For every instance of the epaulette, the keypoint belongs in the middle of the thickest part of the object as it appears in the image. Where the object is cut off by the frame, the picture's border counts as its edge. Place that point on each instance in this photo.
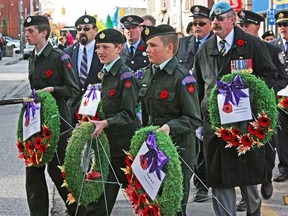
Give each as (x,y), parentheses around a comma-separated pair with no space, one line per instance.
(126,75)
(182,69)
(188,79)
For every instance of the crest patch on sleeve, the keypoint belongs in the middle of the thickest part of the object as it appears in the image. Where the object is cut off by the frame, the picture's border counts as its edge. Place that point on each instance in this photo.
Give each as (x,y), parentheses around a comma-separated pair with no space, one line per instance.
(188,79)
(126,75)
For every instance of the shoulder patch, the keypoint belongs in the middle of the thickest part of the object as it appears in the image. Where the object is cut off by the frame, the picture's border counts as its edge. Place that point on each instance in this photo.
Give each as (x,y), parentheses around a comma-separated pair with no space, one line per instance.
(281,57)
(65,57)
(126,75)
(188,79)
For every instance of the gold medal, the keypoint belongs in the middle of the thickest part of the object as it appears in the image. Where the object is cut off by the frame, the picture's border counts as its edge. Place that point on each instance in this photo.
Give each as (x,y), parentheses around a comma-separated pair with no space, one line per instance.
(100,75)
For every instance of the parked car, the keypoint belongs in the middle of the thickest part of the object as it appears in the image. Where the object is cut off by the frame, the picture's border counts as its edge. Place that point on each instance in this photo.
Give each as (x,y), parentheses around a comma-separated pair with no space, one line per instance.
(12,42)
(27,51)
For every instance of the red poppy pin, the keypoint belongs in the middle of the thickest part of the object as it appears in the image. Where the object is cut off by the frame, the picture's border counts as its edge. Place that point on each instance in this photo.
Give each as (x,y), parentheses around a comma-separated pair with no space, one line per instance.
(140,47)
(112,92)
(48,73)
(69,65)
(164,94)
(240,42)
(191,88)
(128,84)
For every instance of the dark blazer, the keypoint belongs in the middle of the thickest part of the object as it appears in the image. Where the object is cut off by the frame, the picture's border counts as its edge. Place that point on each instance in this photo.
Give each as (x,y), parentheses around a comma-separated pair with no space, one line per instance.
(224,167)
(95,68)
(187,50)
(139,60)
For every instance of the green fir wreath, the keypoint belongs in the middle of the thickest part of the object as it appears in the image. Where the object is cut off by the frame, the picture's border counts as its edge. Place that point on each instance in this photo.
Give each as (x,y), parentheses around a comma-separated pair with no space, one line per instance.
(87,187)
(40,148)
(247,135)
(168,202)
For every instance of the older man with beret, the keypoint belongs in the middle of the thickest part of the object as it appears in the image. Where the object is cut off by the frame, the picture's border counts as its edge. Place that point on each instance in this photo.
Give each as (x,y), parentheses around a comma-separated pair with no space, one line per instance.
(225,170)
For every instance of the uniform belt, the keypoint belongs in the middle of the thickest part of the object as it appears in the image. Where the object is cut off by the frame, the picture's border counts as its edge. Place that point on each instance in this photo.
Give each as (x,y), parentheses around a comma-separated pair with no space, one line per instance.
(158,121)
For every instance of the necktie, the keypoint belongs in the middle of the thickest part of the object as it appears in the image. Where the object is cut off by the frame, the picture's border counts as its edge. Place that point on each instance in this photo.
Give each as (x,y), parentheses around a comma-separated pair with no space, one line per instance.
(286,48)
(131,53)
(83,67)
(197,45)
(156,69)
(223,48)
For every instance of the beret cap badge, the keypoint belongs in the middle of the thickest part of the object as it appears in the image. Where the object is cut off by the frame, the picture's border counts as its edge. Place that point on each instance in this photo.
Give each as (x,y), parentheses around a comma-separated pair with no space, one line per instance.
(196,10)
(281,15)
(242,14)
(147,31)
(217,11)
(86,20)
(102,35)
(130,19)
(29,19)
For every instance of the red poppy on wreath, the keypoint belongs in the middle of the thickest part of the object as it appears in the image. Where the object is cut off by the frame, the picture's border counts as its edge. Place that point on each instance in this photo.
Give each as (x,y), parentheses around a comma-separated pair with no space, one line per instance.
(46,132)
(96,117)
(236,131)
(42,149)
(264,121)
(151,210)
(283,102)
(93,175)
(37,142)
(227,108)
(240,42)
(251,129)
(140,47)
(20,146)
(260,134)
(246,140)
(138,184)
(112,92)
(225,134)
(128,84)
(164,94)
(191,88)
(235,141)
(48,73)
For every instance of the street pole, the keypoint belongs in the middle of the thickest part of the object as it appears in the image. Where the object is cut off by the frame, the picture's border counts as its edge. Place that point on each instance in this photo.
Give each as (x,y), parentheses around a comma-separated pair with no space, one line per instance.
(21,26)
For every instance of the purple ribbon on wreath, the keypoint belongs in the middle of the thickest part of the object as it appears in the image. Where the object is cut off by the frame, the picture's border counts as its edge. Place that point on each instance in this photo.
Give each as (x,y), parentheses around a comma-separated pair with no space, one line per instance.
(232,90)
(31,105)
(155,157)
(92,91)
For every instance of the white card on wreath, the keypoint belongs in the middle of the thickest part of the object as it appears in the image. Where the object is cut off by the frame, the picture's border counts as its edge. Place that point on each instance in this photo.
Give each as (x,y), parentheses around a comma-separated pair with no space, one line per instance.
(283,92)
(234,113)
(89,105)
(33,125)
(149,181)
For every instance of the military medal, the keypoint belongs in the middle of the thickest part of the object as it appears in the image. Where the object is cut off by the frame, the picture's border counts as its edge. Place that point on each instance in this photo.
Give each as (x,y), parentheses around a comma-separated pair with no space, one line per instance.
(241,65)
(100,75)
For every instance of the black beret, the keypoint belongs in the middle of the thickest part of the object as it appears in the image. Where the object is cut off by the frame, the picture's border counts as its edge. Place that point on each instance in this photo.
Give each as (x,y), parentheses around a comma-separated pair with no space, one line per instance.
(131,21)
(36,20)
(246,16)
(85,19)
(281,16)
(268,33)
(151,31)
(199,11)
(110,36)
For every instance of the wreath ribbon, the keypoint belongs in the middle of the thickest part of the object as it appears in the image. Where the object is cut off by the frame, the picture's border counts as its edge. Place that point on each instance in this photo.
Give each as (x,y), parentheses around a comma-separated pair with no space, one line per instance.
(232,90)
(31,106)
(92,91)
(154,156)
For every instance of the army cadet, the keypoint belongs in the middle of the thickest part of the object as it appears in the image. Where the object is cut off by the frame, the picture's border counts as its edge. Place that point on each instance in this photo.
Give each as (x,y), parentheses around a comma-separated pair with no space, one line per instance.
(84,59)
(250,23)
(188,47)
(119,92)
(169,95)
(134,52)
(224,169)
(282,147)
(61,83)
(268,36)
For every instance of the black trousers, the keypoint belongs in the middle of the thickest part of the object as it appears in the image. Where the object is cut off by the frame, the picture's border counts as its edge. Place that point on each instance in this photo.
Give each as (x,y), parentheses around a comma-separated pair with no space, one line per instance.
(36,186)
(111,190)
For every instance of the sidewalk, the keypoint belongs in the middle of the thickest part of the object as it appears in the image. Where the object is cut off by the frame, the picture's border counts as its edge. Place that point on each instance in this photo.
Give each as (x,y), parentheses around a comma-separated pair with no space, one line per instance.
(11,60)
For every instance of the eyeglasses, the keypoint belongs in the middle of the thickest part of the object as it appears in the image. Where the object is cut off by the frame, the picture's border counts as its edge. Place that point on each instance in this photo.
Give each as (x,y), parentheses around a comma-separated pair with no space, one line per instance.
(86,29)
(201,24)
(219,18)
(285,24)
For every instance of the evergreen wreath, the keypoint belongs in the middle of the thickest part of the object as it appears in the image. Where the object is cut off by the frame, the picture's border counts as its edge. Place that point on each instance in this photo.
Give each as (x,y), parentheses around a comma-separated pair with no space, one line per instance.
(247,135)
(168,201)
(85,186)
(40,148)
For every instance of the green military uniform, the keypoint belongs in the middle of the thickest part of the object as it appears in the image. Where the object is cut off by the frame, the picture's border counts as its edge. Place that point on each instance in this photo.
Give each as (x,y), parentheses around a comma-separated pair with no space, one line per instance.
(51,68)
(170,97)
(119,93)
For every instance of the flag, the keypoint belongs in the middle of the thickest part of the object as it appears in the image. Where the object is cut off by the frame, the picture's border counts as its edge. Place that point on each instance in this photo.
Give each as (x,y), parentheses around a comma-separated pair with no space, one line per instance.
(108,23)
(100,25)
(115,17)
